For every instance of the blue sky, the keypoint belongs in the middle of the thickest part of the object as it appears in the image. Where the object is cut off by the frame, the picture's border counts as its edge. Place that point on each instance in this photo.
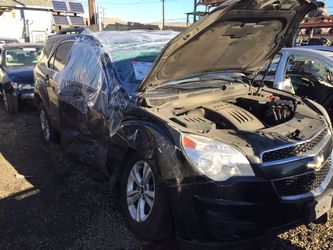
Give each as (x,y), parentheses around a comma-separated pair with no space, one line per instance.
(148,11)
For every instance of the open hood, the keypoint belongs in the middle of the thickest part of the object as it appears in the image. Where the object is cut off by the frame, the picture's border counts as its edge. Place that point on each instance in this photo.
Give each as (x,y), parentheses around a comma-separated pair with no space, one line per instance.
(239,36)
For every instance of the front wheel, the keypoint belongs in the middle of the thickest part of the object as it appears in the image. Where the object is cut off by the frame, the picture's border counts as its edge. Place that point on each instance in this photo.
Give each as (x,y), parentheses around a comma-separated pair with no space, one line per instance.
(144,201)
(10,102)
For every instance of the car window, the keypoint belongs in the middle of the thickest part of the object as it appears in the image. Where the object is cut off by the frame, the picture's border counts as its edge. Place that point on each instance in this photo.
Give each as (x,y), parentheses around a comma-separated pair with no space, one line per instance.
(83,80)
(275,62)
(21,56)
(269,79)
(59,58)
(315,70)
(84,70)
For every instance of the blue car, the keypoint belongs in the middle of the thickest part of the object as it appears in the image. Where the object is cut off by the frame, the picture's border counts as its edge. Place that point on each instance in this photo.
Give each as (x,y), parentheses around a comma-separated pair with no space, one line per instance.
(16,73)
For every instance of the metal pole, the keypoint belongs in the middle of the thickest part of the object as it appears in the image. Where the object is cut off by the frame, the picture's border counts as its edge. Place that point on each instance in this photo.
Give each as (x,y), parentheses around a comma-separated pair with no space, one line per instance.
(195,11)
(103,16)
(163,15)
(92,19)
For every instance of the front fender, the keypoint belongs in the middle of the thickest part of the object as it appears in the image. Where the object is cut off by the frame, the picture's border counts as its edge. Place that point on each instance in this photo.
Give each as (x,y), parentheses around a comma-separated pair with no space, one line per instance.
(6,83)
(160,145)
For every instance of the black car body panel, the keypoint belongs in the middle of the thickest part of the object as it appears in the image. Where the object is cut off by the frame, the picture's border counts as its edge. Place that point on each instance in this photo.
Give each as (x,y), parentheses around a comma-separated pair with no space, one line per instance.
(286,141)
(24,74)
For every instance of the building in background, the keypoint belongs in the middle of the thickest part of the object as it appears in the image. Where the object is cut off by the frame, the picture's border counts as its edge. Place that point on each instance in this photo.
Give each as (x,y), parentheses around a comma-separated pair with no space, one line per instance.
(25,20)
(35,20)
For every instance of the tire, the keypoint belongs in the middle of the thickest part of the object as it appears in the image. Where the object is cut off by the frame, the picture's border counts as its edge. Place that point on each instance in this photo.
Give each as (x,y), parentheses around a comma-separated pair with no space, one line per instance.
(50,135)
(155,222)
(10,102)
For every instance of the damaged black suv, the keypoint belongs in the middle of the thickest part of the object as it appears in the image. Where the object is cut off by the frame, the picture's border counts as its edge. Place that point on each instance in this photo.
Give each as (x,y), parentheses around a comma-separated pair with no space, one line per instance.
(197,150)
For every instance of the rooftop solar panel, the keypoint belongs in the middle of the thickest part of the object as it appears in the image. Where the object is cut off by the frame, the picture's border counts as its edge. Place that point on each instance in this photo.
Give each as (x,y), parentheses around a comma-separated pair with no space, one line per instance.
(76,7)
(77,21)
(60,20)
(59,6)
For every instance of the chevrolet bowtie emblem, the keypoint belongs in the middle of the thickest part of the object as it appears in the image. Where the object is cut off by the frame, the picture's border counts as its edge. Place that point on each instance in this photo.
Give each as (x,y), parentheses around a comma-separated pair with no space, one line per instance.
(317,163)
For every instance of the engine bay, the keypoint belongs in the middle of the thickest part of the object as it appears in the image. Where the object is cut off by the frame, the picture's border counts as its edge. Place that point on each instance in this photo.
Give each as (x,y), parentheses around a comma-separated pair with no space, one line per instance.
(248,112)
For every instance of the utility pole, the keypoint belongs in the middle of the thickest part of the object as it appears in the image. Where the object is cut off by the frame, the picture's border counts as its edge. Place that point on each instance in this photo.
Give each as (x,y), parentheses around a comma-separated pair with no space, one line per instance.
(195,11)
(163,16)
(92,18)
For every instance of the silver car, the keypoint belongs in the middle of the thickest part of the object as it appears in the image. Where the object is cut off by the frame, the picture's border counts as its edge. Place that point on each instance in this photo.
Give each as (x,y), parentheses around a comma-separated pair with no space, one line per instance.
(305,72)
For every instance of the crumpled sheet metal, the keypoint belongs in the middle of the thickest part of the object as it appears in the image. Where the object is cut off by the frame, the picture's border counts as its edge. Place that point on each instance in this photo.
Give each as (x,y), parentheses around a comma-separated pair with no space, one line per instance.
(99,73)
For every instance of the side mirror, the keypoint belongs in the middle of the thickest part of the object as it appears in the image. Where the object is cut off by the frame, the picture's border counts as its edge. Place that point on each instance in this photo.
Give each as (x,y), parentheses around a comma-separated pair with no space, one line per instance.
(287,85)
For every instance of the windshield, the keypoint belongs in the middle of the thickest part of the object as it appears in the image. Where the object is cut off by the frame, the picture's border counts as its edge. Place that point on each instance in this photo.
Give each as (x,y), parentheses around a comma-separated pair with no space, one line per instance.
(133,65)
(20,57)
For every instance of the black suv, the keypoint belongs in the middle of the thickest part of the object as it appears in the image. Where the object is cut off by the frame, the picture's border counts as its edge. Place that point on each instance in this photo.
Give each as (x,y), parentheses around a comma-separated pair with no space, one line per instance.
(197,149)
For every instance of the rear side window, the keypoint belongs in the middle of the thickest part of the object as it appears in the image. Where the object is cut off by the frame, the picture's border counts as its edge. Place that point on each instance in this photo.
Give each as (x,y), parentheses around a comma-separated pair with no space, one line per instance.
(59,58)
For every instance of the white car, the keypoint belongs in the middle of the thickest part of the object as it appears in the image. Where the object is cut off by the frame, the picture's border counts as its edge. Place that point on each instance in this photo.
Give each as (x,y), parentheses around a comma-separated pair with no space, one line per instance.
(304,72)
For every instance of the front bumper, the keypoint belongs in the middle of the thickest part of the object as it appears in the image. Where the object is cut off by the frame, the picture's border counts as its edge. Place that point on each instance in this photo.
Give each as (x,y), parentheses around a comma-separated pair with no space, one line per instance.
(25,94)
(249,211)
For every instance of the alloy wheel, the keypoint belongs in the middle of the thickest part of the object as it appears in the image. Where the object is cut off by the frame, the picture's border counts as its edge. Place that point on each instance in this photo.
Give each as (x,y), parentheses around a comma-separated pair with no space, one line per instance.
(140,191)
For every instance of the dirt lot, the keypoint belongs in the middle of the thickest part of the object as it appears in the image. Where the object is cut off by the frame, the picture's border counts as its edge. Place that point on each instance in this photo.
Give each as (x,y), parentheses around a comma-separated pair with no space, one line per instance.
(49,201)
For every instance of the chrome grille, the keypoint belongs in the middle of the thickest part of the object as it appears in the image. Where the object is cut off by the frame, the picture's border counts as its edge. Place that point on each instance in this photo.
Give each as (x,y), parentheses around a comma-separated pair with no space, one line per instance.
(304,183)
(294,150)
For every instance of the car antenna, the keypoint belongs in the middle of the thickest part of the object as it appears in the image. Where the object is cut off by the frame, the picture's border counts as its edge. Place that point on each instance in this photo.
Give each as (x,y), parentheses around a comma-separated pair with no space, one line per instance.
(264,76)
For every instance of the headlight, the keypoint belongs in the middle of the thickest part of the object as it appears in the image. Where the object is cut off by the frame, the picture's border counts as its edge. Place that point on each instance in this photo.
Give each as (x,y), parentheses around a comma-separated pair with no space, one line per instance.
(14,85)
(216,160)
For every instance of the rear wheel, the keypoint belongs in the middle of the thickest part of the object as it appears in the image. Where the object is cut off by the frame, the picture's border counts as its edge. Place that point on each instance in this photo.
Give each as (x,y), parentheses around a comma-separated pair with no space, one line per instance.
(49,133)
(10,102)
(144,201)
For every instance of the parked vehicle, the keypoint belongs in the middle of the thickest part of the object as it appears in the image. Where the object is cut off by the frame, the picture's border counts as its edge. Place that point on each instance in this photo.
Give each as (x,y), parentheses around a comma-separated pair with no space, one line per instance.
(16,73)
(305,72)
(196,149)
(5,40)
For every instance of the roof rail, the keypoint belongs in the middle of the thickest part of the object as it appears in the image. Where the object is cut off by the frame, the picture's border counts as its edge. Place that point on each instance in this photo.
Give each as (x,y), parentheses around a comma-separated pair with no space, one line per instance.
(70,31)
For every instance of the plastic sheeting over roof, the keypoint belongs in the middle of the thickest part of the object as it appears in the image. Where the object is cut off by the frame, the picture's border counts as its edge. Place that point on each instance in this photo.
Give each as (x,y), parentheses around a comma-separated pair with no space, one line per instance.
(104,70)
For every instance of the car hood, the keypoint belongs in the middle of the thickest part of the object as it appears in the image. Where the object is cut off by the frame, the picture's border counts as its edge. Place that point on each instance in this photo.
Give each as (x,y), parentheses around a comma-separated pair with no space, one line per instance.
(239,36)
(21,74)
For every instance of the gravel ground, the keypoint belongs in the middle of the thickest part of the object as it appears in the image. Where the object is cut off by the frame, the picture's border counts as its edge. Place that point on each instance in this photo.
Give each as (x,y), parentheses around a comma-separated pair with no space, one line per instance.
(49,201)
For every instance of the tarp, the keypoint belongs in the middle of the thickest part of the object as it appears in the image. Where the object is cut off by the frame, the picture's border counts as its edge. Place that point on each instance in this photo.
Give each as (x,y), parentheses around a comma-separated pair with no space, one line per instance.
(104,70)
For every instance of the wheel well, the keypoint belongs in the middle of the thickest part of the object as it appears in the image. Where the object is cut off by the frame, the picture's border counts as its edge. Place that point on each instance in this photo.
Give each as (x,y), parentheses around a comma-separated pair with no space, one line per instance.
(124,159)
